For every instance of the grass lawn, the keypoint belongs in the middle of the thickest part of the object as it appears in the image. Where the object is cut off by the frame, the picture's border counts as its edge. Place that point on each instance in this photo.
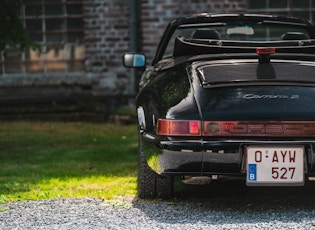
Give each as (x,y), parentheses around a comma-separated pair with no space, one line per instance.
(46,160)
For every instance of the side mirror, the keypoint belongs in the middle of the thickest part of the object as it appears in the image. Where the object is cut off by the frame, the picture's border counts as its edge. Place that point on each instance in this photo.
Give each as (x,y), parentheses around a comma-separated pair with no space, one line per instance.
(132,60)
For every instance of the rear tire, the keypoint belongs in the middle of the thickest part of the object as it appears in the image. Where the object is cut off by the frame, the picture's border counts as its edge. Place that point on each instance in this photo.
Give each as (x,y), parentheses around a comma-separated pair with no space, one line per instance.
(150,184)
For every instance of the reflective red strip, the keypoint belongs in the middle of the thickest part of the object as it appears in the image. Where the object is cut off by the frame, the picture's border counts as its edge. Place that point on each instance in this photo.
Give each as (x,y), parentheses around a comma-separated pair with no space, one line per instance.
(261,129)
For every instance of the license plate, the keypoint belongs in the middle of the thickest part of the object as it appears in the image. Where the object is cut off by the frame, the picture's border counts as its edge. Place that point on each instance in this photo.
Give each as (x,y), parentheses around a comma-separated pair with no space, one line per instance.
(275,165)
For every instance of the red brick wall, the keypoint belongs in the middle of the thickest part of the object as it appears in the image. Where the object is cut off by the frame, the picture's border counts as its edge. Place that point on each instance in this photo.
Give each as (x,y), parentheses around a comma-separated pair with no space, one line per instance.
(107,32)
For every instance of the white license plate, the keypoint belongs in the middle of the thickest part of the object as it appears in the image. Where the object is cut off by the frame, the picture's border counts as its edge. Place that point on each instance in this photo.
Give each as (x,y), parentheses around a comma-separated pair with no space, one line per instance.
(275,165)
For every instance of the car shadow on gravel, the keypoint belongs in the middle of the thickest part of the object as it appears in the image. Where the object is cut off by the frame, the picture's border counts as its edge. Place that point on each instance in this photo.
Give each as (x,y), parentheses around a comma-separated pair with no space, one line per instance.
(236,194)
(228,202)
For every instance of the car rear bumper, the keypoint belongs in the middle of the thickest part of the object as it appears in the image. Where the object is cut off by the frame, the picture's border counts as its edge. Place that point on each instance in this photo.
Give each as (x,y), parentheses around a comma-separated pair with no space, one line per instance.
(216,157)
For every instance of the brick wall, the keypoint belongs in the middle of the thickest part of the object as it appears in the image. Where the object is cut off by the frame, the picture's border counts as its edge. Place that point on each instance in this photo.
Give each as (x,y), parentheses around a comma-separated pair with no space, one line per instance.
(106,39)
(107,33)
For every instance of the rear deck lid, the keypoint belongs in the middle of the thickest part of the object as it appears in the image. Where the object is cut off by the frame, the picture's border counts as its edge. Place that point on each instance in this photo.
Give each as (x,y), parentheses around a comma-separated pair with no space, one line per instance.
(237,90)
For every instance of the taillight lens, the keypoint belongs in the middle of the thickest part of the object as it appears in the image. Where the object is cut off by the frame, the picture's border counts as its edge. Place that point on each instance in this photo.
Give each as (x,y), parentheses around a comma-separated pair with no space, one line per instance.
(178,127)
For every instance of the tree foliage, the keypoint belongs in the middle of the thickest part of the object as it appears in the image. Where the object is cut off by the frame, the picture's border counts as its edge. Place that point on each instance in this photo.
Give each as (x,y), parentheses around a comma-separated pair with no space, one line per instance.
(12,30)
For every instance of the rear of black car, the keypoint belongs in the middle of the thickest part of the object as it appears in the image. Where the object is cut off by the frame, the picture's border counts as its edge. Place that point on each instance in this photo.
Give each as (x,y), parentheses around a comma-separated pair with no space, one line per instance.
(261,115)
(238,104)
(244,106)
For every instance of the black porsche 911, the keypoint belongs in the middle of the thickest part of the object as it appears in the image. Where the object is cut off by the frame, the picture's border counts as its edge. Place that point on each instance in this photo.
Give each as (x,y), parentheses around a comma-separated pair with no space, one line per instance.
(227,95)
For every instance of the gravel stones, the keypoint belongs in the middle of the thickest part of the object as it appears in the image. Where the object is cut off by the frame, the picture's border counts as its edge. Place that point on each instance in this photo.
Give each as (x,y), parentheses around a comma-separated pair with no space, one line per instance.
(97,214)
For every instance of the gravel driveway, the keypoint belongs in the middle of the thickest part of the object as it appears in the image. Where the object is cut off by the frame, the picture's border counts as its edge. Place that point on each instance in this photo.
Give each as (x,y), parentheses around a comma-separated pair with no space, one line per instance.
(216,207)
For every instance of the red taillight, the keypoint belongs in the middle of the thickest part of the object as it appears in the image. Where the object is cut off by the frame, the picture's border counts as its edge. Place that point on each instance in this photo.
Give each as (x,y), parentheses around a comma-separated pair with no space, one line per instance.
(178,127)
(236,128)
(265,50)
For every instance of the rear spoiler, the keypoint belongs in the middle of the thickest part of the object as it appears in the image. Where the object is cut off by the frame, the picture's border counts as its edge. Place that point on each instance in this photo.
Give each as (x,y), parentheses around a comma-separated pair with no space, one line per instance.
(192,47)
